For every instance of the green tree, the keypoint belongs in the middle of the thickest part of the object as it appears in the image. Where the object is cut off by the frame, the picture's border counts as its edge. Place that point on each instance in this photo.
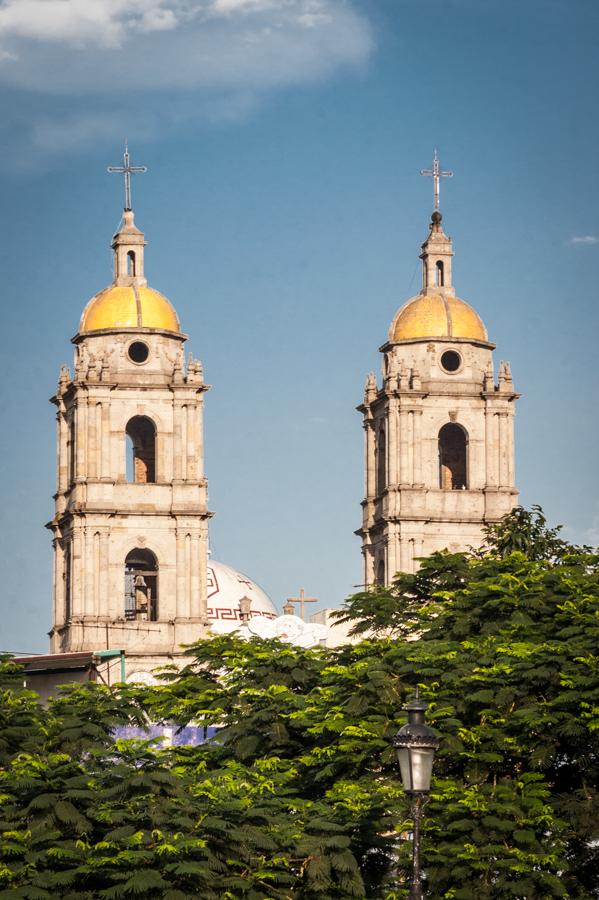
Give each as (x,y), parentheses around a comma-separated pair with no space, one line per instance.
(298,796)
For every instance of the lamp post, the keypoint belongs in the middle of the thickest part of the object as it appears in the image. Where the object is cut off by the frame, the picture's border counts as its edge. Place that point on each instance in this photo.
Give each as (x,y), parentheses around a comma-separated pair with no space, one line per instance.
(245,608)
(416,744)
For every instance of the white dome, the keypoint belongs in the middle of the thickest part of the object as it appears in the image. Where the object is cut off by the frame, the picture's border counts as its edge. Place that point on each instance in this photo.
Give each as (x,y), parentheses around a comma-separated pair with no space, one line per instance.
(226,587)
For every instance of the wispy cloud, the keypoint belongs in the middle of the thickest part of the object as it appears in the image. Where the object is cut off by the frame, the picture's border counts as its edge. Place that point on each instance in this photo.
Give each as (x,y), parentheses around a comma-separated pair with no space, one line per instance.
(91,46)
(587,239)
(83,68)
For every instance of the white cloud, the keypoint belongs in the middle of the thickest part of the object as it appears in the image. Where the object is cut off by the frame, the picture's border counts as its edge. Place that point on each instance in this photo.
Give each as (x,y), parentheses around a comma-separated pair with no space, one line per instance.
(588,239)
(80,73)
(85,46)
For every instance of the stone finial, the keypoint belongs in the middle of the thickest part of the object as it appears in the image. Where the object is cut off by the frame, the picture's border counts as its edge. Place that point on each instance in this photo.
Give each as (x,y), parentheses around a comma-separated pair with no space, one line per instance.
(501,376)
(93,369)
(416,380)
(404,377)
(178,371)
(488,378)
(370,388)
(81,362)
(104,369)
(63,379)
(195,373)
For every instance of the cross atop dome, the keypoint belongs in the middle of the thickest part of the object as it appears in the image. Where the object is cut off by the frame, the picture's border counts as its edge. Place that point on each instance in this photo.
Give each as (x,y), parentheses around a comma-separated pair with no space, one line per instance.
(127,170)
(437,174)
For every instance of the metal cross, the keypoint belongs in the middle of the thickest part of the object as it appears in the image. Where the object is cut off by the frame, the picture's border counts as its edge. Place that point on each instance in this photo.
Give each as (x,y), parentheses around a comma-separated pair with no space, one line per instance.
(127,170)
(301,600)
(437,175)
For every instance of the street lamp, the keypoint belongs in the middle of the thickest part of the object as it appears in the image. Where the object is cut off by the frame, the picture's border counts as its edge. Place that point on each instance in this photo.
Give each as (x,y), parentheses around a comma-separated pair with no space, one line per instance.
(416,744)
(245,607)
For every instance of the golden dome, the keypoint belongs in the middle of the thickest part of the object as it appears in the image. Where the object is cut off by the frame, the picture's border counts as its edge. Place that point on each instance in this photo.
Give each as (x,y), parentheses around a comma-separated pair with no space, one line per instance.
(436,316)
(128,306)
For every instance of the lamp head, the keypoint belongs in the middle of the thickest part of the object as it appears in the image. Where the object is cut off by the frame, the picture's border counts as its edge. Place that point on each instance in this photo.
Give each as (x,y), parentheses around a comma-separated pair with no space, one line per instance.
(416,744)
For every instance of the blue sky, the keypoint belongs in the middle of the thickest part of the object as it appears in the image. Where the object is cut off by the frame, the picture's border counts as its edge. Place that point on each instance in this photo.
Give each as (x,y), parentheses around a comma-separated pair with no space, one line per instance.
(284,213)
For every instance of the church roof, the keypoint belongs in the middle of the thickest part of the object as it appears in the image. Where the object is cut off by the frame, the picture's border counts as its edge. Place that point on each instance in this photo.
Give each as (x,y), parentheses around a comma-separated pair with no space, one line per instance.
(433,315)
(129,306)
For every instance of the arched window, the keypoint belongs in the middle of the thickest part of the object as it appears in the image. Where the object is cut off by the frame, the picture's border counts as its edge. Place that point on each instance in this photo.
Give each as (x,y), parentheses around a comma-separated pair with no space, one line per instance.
(131,263)
(440,274)
(381,461)
(380,572)
(141,450)
(453,458)
(141,586)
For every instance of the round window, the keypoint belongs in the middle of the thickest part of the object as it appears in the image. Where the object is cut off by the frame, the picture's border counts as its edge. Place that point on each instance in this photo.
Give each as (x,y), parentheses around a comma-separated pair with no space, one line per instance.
(451,361)
(138,352)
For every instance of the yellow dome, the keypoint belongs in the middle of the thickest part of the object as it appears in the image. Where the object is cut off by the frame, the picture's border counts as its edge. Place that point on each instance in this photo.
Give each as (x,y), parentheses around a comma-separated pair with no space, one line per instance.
(435,316)
(128,306)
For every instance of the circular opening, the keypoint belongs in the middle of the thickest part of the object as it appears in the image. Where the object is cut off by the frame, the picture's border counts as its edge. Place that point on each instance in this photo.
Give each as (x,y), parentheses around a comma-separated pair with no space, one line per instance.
(138,352)
(451,361)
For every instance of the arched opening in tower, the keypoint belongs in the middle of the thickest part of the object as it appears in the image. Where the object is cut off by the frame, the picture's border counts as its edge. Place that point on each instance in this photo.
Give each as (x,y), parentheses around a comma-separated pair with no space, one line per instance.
(141,450)
(440,274)
(141,586)
(453,458)
(131,268)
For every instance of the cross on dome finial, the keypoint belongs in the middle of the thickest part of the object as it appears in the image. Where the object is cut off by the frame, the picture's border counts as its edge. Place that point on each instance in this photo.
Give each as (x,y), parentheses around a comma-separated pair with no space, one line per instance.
(436,174)
(127,170)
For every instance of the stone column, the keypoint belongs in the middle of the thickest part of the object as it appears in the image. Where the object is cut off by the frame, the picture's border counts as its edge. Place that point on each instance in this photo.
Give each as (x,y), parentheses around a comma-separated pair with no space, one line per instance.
(192,442)
(370,460)
(418,550)
(392,546)
(58,575)
(404,461)
(503,449)
(106,470)
(177,461)
(92,441)
(89,570)
(195,599)
(62,473)
(203,570)
(77,574)
(490,446)
(404,552)
(184,418)
(410,447)
(392,441)
(417,447)
(180,577)
(510,450)
(80,435)
(200,438)
(102,599)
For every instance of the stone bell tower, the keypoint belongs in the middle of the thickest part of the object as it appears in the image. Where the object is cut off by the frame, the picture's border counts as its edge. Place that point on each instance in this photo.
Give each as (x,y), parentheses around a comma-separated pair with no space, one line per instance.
(439,443)
(131,521)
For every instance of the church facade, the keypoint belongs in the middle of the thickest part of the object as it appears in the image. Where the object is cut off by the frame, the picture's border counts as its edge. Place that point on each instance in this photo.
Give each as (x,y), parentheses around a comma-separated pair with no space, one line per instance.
(130,527)
(130,524)
(439,432)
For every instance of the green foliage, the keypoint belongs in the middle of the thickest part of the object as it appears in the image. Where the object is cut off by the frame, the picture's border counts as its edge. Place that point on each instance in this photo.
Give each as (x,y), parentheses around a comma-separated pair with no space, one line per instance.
(299,795)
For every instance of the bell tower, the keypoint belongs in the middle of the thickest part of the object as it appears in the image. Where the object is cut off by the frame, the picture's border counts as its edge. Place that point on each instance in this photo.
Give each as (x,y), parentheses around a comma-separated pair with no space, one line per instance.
(439,441)
(130,529)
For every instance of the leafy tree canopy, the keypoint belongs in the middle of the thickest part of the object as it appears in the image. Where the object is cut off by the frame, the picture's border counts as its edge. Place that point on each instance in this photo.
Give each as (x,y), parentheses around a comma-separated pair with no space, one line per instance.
(299,794)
